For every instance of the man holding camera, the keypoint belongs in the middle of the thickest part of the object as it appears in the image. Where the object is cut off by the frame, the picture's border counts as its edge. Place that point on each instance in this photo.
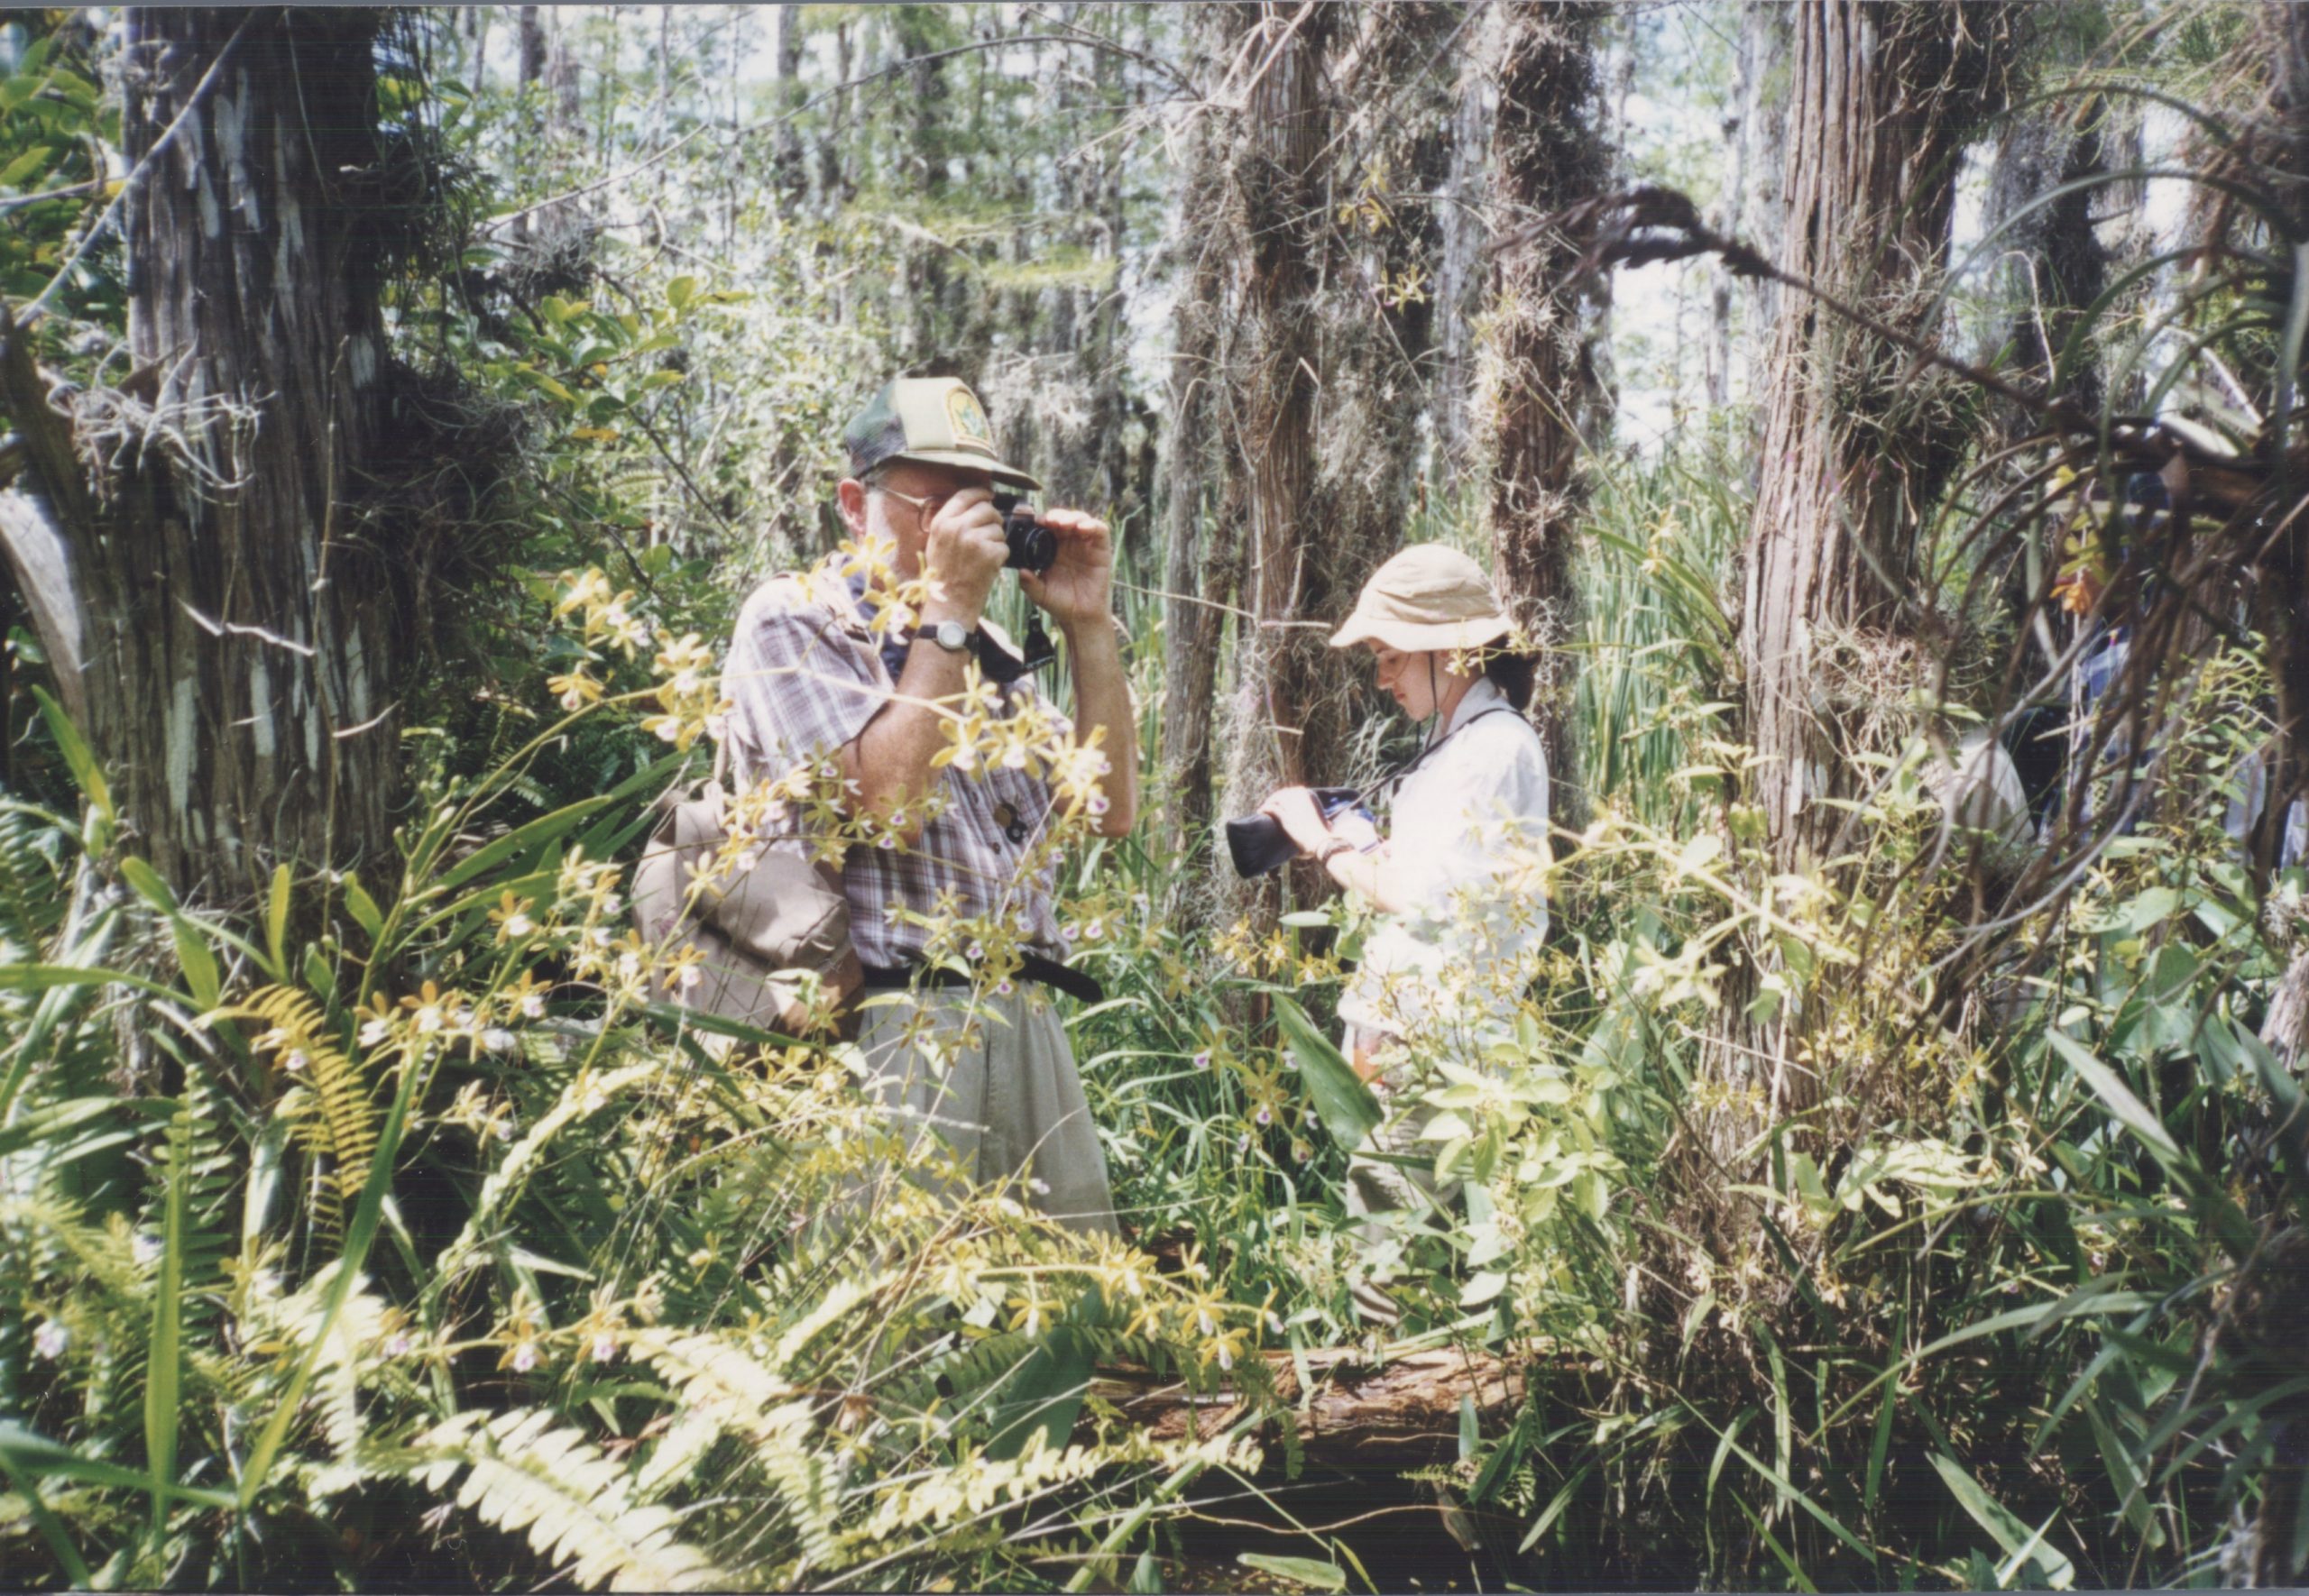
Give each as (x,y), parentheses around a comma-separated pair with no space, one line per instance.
(986,1063)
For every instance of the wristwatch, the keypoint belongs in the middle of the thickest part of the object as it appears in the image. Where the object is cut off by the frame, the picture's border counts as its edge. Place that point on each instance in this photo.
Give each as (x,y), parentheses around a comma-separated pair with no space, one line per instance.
(1332,850)
(951,635)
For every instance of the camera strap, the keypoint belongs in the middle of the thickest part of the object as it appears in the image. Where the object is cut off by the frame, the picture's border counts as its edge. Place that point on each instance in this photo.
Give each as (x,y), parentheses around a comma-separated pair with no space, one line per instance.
(1396,781)
(1040,651)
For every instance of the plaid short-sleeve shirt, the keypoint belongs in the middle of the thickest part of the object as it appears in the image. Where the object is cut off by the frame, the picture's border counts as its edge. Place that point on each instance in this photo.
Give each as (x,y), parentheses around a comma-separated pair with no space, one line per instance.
(804,676)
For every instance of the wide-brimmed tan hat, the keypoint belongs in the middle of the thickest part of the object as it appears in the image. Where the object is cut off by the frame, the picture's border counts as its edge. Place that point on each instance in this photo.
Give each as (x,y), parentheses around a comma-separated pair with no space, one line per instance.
(1428,597)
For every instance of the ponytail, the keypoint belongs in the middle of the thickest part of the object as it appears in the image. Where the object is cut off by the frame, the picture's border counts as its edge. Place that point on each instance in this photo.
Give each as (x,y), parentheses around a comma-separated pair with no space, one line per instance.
(1512,675)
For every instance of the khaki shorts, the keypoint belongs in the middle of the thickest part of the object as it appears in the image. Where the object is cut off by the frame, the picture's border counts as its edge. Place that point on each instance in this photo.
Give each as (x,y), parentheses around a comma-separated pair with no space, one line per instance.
(994,1077)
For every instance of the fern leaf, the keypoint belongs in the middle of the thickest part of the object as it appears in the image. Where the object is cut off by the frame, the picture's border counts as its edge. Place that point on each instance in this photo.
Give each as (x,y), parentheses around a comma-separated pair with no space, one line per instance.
(722,1382)
(576,1506)
(334,1113)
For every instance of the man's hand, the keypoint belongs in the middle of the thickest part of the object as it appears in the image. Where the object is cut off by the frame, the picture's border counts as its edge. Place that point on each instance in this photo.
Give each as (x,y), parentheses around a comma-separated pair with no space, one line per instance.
(963,552)
(1079,586)
(1303,821)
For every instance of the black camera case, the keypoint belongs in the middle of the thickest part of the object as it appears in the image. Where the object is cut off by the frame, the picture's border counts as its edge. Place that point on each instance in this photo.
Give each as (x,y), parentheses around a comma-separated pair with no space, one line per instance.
(1259,844)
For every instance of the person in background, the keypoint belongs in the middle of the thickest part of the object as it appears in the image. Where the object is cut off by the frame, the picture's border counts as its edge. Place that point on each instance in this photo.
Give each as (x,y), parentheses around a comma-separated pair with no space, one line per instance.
(1457,881)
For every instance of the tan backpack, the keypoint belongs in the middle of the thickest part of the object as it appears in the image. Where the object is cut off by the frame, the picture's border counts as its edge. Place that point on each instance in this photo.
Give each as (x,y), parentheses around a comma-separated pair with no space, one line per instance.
(757,928)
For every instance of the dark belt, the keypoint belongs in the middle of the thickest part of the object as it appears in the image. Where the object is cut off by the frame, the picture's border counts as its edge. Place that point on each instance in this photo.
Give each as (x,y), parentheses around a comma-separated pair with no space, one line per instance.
(1049,972)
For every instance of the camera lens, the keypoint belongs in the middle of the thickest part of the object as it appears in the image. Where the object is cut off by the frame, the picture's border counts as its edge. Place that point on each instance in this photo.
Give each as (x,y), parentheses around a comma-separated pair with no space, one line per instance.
(1033,545)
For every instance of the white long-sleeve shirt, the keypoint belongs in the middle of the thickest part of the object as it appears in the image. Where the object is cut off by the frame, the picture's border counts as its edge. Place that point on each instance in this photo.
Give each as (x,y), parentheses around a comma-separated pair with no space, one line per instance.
(1466,856)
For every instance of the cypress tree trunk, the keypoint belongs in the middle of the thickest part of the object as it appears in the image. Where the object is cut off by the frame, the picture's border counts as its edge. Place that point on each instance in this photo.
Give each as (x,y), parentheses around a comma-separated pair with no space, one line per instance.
(1267,416)
(1297,392)
(1885,98)
(1540,387)
(1754,131)
(233,617)
(1375,331)
(1853,448)
(1460,274)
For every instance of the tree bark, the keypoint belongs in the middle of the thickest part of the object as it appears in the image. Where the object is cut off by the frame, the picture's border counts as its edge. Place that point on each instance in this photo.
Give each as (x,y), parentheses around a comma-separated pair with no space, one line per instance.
(1540,389)
(2283,601)
(1266,413)
(1199,539)
(1401,1414)
(1375,331)
(1460,275)
(1885,98)
(793,176)
(1754,131)
(233,607)
(1296,396)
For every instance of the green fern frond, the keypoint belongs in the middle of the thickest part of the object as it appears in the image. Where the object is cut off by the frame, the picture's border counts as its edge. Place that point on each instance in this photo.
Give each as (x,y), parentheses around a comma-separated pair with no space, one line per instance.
(722,1381)
(677,1453)
(333,1115)
(844,1298)
(576,1506)
(203,1138)
(291,1321)
(718,1379)
(33,885)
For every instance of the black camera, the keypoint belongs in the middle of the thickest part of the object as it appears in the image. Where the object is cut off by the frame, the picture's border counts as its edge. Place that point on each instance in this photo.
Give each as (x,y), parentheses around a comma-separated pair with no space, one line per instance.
(1034,547)
(1259,844)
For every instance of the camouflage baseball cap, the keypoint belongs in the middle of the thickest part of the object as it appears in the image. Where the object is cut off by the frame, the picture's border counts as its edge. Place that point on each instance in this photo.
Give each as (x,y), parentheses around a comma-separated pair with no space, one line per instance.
(936,420)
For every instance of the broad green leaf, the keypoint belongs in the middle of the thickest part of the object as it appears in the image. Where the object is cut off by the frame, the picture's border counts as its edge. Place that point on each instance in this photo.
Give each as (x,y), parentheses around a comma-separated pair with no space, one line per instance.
(86,774)
(367,1213)
(2124,1474)
(1348,1109)
(276,923)
(1042,1395)
(518,840)
(364,909)
(34,160)
(193,954)
(35,1456)
(1554,1509)
(2142,910)
(2211,1205)
(68,1555)
(50,1120)
(39,977)
(1486,1285)
(163,1367)
(1305,1571)
(2130,1110)
(2010,1532)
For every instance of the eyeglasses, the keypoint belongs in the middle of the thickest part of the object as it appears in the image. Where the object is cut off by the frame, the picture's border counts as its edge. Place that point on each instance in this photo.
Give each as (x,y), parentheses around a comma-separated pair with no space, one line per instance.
(926,507)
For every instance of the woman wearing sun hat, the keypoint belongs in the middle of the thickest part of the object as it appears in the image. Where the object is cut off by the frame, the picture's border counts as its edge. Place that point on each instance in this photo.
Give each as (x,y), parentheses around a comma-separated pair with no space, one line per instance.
(1457,881)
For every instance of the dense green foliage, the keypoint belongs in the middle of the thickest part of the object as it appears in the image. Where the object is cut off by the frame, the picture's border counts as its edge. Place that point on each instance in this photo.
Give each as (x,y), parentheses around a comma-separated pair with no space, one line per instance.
(396,1229)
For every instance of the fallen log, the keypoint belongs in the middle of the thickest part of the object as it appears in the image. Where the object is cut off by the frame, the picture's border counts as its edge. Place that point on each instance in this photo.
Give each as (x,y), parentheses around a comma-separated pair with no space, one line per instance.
(1349,1412)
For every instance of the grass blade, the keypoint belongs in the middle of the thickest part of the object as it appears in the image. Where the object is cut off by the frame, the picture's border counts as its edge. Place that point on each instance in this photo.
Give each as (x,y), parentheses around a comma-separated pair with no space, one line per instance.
(164,1370)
